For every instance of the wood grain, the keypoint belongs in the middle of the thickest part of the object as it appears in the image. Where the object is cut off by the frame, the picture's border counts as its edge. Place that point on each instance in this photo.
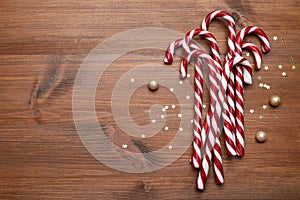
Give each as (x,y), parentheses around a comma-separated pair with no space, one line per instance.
(42,45)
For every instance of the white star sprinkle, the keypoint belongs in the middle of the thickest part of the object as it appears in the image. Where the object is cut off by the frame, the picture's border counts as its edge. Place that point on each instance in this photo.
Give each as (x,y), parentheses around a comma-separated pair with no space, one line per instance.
(192,121)
(284,74)
(204,106)
(180,129)
(153,121)
(261,117)
(187,97)
(166,128)
(251,110)
(163,109)
(275,38)
(268,87)
(173,106)
(170,147)
(162,116)
(143,136)
(180,82)
(172,89)
(188,75)
(132,80)
(280,66)
(264,107)
(124,146)
(293,67)
(266,68)
(261,85)
(166,107)
(179,115)
(247,54)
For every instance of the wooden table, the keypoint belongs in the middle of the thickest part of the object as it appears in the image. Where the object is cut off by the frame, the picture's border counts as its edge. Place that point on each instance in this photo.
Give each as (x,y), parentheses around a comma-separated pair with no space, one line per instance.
(42,46)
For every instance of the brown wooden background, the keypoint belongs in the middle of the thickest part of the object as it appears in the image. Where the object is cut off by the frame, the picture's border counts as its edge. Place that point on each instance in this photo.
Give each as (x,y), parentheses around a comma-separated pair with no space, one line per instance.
(43,43)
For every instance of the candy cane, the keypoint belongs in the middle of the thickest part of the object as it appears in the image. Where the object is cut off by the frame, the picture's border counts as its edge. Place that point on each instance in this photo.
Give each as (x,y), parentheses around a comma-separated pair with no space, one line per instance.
(240,144)
(213,120)
(229,108)
(229,65)
(216,57)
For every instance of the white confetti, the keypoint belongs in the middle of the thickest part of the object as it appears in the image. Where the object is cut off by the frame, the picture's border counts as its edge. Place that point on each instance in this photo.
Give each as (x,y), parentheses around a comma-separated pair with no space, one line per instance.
(163,109)
(179,115)
(251,110)
(275,37)
(284,74)
(187,97)
(188,75)
(293,67)
(172,89)
(143,136)
(264,107)
(124,146)
(204,106)
(166,107)
(261,85)
(173,106)
(153,121)
(180,82)
(266,68)
(132,80)
(280,66)
(180,129)
(166,128)
(162,116)
(170,147)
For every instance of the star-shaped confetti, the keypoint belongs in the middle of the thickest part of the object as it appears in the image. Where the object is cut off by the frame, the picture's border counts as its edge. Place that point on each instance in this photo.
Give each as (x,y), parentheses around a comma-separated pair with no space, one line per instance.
(179,115)
(172,89)
(284,74)
(154,120)
(166,107)
(188,75)
(261,85)
(247,54)
(143,136)
(173,106)
(280,66)
(275,38)
(261,117)
(180,82)
(170,147)
(180,129)
(293,67)
(163,109)
(187,97)
(268,87)
(204,106)
(264,107)
(166,128)
(251,110)
(266,68)
(124,146)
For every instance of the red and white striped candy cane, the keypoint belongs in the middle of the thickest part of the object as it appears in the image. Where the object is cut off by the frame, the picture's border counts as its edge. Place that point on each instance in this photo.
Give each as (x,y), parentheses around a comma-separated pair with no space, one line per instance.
(213,120)
(229,107)
(216,56)
(229,65)
(228,111)
(239,115)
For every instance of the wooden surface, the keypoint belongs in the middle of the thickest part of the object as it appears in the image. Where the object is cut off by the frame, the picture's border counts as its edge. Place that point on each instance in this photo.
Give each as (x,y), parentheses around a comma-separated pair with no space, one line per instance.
(42,45)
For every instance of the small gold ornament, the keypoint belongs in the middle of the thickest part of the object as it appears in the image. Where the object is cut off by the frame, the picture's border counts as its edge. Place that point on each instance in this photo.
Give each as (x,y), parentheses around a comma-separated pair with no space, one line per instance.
(275,100)
(153,85)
